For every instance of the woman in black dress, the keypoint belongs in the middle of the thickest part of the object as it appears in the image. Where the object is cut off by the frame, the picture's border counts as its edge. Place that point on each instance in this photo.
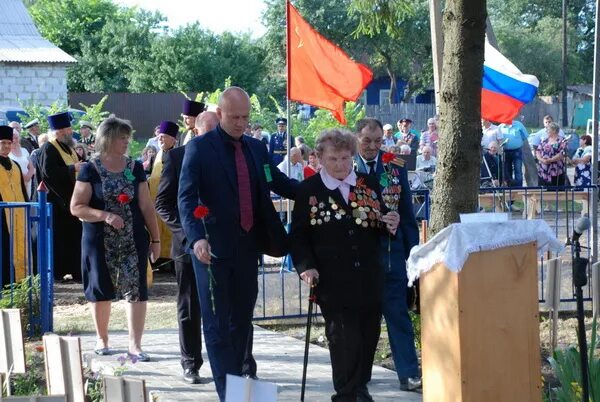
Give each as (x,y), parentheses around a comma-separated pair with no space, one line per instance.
(336,225)
(112,199)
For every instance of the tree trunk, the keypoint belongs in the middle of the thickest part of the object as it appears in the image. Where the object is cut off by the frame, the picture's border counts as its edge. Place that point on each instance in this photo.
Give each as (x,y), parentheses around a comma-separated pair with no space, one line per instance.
(456,185)
(393,85)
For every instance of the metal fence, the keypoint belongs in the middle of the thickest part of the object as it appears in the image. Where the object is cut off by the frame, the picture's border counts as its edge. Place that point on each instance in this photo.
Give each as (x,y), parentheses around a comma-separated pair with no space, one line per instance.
(34,254)
(283,296)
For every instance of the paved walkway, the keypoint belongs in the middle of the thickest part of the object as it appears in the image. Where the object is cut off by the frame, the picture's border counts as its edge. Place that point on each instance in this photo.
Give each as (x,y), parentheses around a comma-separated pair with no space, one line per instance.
(279,359)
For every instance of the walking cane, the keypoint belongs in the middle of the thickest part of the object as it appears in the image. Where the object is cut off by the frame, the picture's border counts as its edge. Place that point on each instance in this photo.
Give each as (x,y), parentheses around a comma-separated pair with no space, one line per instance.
(311,299)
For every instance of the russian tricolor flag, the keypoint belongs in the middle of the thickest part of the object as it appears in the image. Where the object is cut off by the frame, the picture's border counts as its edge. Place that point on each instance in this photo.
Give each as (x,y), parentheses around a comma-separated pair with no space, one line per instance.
(505,88)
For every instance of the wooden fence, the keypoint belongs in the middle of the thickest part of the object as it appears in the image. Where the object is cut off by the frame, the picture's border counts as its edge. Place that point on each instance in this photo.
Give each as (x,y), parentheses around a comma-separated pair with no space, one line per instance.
(417,112)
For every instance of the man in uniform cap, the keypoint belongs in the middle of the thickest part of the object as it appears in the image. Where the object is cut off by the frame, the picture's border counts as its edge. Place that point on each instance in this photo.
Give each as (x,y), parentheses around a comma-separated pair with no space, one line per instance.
(12,189)
(167,138)
(87,136)
(57,167)
(278,143)
(30,142)
(191,110)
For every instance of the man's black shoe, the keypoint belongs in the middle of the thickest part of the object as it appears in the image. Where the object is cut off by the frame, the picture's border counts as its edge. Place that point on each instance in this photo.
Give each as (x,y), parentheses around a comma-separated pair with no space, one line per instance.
(362,394)
(191,376)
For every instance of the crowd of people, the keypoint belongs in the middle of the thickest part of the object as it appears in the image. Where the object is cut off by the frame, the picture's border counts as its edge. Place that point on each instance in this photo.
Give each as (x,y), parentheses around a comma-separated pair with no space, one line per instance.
(201,196)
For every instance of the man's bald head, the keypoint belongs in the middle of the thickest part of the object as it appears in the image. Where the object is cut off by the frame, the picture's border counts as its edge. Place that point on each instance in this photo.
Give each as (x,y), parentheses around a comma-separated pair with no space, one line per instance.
(233,111)
(205,122)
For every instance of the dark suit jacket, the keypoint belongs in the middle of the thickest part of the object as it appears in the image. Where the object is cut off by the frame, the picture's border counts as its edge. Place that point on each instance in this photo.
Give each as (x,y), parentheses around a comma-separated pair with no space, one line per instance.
(29,144)
(207,179)
(345,253)
(407,235)
(166,201)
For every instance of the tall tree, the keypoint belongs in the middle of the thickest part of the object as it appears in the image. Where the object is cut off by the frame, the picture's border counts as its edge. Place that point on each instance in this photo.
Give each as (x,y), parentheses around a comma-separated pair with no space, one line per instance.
(457,176)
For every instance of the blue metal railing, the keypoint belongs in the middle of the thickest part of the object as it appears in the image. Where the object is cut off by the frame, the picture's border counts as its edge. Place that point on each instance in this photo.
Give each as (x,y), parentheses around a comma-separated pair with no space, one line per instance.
(38,259)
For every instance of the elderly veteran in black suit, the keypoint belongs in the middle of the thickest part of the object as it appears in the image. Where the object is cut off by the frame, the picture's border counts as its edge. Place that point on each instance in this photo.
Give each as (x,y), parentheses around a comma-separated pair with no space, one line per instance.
(336,226)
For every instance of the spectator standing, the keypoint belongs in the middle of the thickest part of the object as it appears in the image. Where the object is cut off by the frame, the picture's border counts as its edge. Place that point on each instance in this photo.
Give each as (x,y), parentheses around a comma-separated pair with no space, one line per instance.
(313,165)
(304,149)
(491,167)
(513,134)
(191,109)
(30,141)
(258,134)
(81,151)
(388,136)
(111,197)
(490,133)
(551,158)
(430,137)
(87,136)
(583,162)
(296,171)
(58,164)
(278,142)
(407,136)
(21,156)
(148,157)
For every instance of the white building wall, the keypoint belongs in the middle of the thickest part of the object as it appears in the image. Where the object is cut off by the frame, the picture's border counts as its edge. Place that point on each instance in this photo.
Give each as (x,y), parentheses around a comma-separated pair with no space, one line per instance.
(43,83)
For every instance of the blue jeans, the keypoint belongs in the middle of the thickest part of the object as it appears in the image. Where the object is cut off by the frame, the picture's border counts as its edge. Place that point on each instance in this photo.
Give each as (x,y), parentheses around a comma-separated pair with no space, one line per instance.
(513,163)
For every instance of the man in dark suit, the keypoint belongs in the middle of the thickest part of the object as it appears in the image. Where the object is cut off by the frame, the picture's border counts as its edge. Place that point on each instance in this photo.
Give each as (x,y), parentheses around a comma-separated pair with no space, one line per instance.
(231,175)
(396,195)
(30,141)
(188,306)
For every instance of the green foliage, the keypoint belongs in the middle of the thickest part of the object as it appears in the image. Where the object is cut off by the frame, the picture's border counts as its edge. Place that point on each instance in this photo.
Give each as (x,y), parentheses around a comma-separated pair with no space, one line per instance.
(416,322)
(136,147)
(378,16)
(33,381)
(36,110)
(20,295)
(323,120)
(94,113)
(567,368)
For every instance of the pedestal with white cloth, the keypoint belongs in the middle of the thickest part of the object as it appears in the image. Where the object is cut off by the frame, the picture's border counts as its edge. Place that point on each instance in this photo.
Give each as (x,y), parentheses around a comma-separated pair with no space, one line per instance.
(479,311)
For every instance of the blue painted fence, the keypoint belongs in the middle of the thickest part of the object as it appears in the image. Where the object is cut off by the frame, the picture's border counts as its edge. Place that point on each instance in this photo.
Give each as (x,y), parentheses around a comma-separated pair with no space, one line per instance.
(38,237)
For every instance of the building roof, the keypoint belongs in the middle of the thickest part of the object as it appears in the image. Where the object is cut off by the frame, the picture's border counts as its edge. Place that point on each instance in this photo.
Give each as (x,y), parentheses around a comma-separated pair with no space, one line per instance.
(21,42)
(585,89)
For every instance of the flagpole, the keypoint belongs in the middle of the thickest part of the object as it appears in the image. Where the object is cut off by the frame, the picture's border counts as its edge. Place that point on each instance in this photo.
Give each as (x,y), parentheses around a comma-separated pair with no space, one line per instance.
(288,103)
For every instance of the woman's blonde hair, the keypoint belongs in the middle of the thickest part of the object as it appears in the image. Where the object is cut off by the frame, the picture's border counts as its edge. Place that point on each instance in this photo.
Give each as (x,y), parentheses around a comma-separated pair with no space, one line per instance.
(338,139)
(108,131)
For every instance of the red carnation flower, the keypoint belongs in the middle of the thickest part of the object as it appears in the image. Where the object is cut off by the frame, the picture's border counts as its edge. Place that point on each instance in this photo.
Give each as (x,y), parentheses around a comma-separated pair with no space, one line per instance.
(387,157)
(200,212)
(123,198)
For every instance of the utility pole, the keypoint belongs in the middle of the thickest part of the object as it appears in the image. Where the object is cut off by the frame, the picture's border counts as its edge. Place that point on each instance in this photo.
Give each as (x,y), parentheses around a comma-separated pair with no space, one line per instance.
(437,46)
(565,111)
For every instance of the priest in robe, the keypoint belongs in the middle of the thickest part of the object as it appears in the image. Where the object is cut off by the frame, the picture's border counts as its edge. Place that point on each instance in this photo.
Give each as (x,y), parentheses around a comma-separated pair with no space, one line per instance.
(167,138)
(57,167)
(12,189)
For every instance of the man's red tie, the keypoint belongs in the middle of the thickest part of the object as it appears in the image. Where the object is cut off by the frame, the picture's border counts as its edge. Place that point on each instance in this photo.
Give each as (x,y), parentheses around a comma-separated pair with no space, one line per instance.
(243,179)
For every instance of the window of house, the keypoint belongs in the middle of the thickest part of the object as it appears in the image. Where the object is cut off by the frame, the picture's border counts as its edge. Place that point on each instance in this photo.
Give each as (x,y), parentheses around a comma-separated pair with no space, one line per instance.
(384,97)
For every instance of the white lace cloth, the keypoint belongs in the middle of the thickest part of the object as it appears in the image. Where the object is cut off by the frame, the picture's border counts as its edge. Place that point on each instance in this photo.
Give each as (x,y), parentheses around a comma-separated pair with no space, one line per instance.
(452,245)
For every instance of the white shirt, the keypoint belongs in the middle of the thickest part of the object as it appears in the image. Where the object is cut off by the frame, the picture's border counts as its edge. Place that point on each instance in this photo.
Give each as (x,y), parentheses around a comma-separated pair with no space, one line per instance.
(423,164)
(343,185)
(297,169)
(490,134)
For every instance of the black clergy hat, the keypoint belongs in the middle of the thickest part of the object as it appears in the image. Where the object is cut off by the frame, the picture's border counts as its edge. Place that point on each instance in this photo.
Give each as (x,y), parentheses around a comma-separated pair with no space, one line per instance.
(168,127)
(59,120)
(6,133)
(192,108)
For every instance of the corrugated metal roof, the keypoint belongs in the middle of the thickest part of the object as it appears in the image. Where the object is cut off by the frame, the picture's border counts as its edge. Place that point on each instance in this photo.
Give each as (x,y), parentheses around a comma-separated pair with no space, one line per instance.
(20,41)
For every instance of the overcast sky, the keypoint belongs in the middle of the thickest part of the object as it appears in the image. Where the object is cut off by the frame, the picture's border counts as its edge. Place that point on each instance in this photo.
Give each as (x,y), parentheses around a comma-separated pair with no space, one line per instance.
(216,15)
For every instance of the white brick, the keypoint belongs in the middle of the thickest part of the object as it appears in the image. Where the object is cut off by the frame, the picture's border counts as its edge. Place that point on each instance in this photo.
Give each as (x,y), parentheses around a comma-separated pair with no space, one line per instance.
(2,72)
(17,88)
(11,97)
(43,73)
(28,72)
(13,73)
(9,81)
(59,72)
(32,88)
(24,81)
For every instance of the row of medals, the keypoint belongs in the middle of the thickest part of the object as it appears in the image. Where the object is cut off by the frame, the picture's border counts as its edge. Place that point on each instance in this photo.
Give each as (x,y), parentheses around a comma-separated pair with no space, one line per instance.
(361,214)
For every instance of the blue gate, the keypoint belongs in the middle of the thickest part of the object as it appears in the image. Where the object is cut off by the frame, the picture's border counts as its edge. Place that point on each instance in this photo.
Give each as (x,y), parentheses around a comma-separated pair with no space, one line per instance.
(36,218)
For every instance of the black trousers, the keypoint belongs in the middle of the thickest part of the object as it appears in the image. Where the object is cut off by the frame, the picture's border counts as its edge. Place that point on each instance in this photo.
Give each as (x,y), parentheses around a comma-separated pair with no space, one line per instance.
(188,316)
(353,335)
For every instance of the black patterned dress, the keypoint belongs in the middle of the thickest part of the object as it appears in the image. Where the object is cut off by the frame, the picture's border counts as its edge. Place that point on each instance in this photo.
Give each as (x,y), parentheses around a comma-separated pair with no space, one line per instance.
(114,261)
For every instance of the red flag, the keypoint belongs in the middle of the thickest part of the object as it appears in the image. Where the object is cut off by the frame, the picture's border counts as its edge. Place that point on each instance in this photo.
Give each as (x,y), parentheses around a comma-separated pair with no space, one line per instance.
(320,73)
